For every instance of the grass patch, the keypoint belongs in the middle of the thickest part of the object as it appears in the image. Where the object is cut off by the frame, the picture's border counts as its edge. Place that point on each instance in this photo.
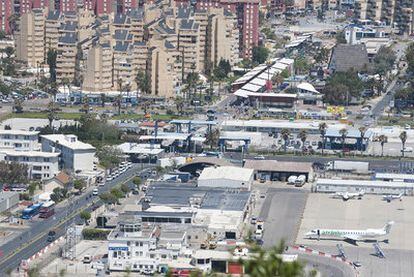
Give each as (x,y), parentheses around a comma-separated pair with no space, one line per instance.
(395,121)
(164,117)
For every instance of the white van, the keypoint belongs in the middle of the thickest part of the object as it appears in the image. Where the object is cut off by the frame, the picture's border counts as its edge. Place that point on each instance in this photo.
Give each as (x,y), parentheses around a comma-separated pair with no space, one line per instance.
(300,181)
(291,180)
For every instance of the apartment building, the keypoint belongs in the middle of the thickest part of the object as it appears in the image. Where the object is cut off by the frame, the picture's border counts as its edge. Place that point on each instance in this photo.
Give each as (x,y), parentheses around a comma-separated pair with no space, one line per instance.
(41,165)
(6,10)
(137,24)
(66,58)
(390,12)
(74,154)
(123,70)
(65,6)
(99,7)
(125,6)
(52,25)
(189,45)
(98,75)
(247,13)
(30,38)
(19,140)
(143,247)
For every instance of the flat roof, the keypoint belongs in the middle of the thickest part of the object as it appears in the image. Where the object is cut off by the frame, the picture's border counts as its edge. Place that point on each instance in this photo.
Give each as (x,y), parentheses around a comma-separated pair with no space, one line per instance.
(394,176)
(226,172)
(15,153)
(252,87)
(63,140)
(131,148)
(279,124)
(363,183)
(195,122)
(279,166)
(19,132)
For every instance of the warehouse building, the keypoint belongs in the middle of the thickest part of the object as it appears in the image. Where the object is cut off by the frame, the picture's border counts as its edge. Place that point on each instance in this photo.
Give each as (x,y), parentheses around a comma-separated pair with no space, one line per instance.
(393,177)
(368,186)
(271,170)
(226,177)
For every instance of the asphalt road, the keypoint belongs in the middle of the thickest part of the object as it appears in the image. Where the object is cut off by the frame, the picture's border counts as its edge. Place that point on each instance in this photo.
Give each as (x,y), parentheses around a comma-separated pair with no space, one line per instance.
(282,212)
(35,238)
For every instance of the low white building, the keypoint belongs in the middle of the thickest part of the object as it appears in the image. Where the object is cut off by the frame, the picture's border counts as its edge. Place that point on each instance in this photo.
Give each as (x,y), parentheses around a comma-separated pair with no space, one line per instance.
(226,177)
(41,165)
(368,186)
(74,154)
(144,248)
(19,140)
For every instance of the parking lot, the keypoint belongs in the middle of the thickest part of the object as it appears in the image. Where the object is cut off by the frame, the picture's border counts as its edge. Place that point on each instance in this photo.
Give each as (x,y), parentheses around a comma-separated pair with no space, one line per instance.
(322,211)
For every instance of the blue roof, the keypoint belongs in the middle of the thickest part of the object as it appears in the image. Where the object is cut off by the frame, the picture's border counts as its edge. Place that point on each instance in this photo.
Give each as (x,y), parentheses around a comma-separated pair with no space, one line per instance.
(352,133)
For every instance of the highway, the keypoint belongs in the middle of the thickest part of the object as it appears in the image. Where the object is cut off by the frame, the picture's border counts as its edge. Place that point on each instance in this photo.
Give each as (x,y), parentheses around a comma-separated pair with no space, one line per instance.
(35,238)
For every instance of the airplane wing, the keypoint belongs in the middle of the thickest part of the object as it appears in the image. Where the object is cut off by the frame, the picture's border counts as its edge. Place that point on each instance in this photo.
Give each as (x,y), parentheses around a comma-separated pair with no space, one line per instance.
(352,237)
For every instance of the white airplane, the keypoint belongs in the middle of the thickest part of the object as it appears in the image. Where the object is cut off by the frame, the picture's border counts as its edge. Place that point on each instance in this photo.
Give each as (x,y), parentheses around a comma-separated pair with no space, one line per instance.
(390,197)
(354,235)
(349,195)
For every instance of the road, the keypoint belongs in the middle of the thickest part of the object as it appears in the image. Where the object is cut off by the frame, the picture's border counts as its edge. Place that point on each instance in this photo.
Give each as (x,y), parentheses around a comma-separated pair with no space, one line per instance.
(35,238)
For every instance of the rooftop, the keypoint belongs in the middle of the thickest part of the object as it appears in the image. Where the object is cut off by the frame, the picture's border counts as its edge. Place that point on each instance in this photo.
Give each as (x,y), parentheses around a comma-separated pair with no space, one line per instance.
(69,141)
(227,172)
(278,166)
(18,132)
(15,153)
(363,183)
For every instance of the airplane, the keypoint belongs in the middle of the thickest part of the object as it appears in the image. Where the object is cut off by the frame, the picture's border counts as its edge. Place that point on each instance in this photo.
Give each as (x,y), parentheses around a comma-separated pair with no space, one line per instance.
(353,235)
(390,197)
(349,195)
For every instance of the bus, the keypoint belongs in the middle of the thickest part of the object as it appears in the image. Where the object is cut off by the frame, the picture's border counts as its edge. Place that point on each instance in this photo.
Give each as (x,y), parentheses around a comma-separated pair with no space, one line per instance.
(31,211)
(47,209)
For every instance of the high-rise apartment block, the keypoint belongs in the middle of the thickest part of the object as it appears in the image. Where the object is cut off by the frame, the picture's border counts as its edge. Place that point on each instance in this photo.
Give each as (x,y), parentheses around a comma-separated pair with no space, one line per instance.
(6,10)
(391,12)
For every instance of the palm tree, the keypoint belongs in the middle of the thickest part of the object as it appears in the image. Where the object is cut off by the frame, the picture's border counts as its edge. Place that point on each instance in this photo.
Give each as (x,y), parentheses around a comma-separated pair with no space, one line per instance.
(51,113)
(362,131)
(285,135)
(212,138)
(343,132)
(119,97)
(322,130)
(103,99)
(269,263)
(303,135)
(383,139)
(403,138)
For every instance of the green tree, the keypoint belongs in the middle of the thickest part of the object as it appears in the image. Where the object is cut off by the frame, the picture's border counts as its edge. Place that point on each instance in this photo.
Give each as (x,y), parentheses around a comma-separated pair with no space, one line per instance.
(302,136)
(52,113)
(384,61)
(344,133)
(143,82)
(85,215)
(109,157)
(285,136)
(117,193)
(18,105)
(322,55)
(108,198)
(301,65)
(51,61)
(322,130)
(341,87)
(383,139)
(137,181)
(13,173)
(124,188)
(33,272)
(269,263)
(212,138)
(362,131)
(403,138)
(79,184)
(260,54)
(409,56)
(340,38)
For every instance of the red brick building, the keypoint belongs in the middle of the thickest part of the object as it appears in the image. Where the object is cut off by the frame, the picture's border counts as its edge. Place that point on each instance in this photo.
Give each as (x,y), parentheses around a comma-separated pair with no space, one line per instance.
(6,10)
(99,7)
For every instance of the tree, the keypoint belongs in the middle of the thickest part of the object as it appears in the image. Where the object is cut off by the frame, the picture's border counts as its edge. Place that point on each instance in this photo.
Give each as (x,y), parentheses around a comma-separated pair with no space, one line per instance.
(79,184)
(103,99)
(137,181)
(109,157)
(301,65)
(383,139)
(108,198)
(18,105)
(340,38)
(269,263)
(222,70)
(124,188)
(362,131)
(179,103)
(33,272)
(13,173)
(285,136)
(409,56)
(192,80)
(384,61)
(143,82)
(341,86)
(322,55)
(117,193)
(260,54)
(51,113)
(344,133)
(51,61)
(85,215)
(403,138)
(212,138)
(302,136)
(322,130)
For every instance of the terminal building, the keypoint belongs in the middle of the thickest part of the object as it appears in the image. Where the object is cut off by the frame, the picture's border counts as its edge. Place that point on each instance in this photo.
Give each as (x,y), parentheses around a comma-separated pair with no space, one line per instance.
(368,186)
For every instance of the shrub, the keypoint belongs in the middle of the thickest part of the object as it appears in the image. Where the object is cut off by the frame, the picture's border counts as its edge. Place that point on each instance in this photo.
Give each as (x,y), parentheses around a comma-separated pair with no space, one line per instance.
(95,234)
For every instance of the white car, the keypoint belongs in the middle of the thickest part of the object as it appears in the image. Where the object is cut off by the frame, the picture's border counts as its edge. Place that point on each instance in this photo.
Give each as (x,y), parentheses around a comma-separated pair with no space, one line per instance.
(109,178)
(95,192)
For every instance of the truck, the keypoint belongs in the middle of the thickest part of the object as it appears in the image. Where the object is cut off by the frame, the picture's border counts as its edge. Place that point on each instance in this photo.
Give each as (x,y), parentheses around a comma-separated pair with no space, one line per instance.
(348,166)
(300,181)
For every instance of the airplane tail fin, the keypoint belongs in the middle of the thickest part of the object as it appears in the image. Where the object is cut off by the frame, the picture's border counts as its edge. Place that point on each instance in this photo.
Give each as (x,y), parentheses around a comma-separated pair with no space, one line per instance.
(388,226)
